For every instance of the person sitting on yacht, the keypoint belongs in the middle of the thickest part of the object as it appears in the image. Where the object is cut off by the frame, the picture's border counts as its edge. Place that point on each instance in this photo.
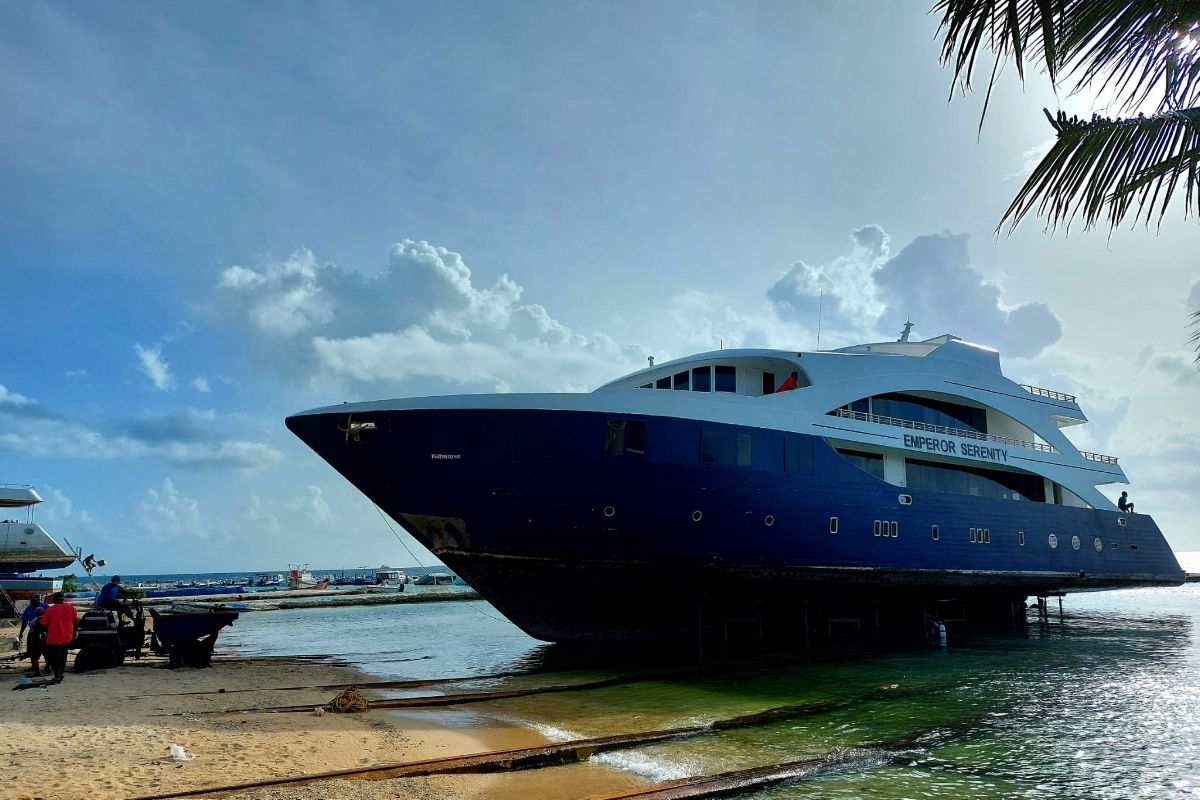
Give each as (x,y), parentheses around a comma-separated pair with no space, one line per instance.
(1124,503)
(790,383)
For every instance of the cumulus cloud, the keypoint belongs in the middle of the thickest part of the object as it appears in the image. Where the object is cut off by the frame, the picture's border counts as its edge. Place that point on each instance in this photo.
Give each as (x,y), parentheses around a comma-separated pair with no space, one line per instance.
(421,316)
(200,384)
(302,512)
(163,513)
(870,293)
(154,366)
(1179,366)
(58,508)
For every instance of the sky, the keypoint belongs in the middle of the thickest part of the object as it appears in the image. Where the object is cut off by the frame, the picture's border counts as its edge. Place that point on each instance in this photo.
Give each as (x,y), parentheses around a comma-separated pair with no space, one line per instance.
(216,214)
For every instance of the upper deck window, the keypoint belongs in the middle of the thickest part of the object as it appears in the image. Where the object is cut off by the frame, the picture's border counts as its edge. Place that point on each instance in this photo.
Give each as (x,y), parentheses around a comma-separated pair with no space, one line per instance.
(682,380)
(702,379)
(663,383)
(931,412)
(768,383)
(726,378)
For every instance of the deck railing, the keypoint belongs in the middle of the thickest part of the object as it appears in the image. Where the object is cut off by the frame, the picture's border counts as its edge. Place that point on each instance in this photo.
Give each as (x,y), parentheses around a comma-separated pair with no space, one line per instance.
(1050,393)
(862,416)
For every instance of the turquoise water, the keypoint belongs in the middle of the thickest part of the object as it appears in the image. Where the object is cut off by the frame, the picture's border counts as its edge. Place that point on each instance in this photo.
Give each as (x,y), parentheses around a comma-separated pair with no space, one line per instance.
(1105,704)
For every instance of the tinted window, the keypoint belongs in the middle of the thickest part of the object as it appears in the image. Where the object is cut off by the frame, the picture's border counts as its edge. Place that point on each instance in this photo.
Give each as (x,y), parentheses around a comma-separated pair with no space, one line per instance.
(725,447)
(726,379)
(702,379)
(798,456)
(681,380)
(768,383)
(932,412)
(868,462)
(663,383)
(624,437)
(974,481)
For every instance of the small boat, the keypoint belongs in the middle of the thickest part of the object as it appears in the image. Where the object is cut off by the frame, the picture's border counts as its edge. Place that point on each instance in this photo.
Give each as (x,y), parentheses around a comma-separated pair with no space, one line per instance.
(438,579)
(300,578)
(267,580)
(392,578)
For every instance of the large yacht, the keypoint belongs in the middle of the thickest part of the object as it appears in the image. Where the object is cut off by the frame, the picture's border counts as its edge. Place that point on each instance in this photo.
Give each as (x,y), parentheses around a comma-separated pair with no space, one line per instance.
(899,476)
(24,545)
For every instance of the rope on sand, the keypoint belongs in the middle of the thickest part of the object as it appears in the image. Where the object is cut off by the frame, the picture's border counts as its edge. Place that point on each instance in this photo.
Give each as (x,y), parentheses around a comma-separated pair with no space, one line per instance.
(348,701)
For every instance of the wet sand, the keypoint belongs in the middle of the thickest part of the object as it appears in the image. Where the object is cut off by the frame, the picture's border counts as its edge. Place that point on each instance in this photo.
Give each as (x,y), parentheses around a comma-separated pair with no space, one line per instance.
(108,734)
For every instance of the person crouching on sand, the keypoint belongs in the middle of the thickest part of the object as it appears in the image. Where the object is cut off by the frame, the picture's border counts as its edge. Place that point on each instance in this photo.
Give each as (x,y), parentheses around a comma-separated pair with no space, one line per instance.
(59,621)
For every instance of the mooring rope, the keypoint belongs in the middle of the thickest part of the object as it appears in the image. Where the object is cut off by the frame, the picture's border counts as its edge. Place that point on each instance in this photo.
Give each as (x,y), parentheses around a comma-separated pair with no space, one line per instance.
(348,701)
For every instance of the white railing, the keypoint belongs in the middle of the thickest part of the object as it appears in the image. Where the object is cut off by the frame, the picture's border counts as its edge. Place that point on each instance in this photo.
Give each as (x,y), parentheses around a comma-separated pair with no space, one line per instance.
(846,413)
(1050,393)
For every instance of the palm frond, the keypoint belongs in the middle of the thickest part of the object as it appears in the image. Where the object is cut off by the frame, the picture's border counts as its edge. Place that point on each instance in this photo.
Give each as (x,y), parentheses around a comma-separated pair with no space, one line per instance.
(1194,339)
(1133,47)
(1111,168)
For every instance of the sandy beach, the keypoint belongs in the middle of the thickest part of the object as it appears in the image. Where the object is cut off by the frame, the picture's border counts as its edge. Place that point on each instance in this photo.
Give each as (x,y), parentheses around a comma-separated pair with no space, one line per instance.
(109,734)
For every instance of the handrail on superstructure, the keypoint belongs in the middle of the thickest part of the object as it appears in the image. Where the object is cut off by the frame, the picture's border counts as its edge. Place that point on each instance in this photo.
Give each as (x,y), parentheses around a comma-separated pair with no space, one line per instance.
(846,413)
(1050,393)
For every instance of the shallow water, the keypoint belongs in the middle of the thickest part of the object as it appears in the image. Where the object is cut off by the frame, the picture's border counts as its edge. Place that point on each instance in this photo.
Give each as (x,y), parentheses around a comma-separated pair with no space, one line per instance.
(1105,704)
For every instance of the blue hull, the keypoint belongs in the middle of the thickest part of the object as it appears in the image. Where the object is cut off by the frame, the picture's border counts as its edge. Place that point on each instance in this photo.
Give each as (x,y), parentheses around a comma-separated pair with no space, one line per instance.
(572,543)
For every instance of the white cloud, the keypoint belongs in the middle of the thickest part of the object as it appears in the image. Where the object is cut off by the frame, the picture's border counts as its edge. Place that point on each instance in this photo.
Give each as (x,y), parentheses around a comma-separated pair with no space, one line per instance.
(60,439)
(58,508)
(165,514)
(155,367)
(10,398)
(200,384)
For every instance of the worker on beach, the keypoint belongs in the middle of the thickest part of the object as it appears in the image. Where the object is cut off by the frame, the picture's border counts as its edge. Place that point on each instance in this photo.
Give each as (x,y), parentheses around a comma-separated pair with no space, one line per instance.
(33,645)
(59,622)
(790,383)
(108,598)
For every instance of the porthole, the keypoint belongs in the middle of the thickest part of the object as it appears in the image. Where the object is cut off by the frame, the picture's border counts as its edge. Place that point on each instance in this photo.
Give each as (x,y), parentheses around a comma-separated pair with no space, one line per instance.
(905,499)
(1099,545)
(697,516)
(609,511)
(833,524)
(770,520)
(1074,542)
(1052,540)
(1021,538)
(935,533)
(875,528)
(895,529)
(1121,521)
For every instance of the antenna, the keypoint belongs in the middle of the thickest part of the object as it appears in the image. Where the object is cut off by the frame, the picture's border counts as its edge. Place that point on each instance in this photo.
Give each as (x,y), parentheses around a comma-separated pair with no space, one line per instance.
(907,330)
(651,360)
(820,312)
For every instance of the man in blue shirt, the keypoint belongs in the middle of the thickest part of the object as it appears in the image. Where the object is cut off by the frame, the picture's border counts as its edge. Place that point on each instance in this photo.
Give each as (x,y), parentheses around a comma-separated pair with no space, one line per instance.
(107,598)
(33,645)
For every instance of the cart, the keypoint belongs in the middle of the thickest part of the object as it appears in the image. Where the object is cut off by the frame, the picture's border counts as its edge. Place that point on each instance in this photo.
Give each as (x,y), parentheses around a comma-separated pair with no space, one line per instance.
(187,636)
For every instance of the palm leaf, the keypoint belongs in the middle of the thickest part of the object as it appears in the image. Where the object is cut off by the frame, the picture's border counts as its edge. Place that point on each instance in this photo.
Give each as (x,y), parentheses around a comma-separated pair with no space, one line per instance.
(1133,47)
(1195,337)
(1113,168)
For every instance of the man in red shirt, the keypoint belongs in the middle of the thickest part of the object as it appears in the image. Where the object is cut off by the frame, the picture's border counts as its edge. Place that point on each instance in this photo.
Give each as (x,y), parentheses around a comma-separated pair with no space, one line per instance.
(59,622)
(790,383)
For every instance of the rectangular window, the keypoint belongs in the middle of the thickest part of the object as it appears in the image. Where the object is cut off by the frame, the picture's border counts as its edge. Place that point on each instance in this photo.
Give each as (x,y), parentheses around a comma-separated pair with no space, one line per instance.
(833,524)
(768,383)
(646,386)
(663,383)
(868,462)
(799,456)
(702,379)
(895,526)
(743,449)
(624,436)
(936,533)
(987,535)
(976,481)
(725,447)
(972,536)
(726,379)
(1021,538)
(875,528)
(681,380)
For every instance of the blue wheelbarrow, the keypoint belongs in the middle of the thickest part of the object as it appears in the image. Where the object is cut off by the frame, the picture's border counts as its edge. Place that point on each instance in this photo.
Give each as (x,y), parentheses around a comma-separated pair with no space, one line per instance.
(187,637)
